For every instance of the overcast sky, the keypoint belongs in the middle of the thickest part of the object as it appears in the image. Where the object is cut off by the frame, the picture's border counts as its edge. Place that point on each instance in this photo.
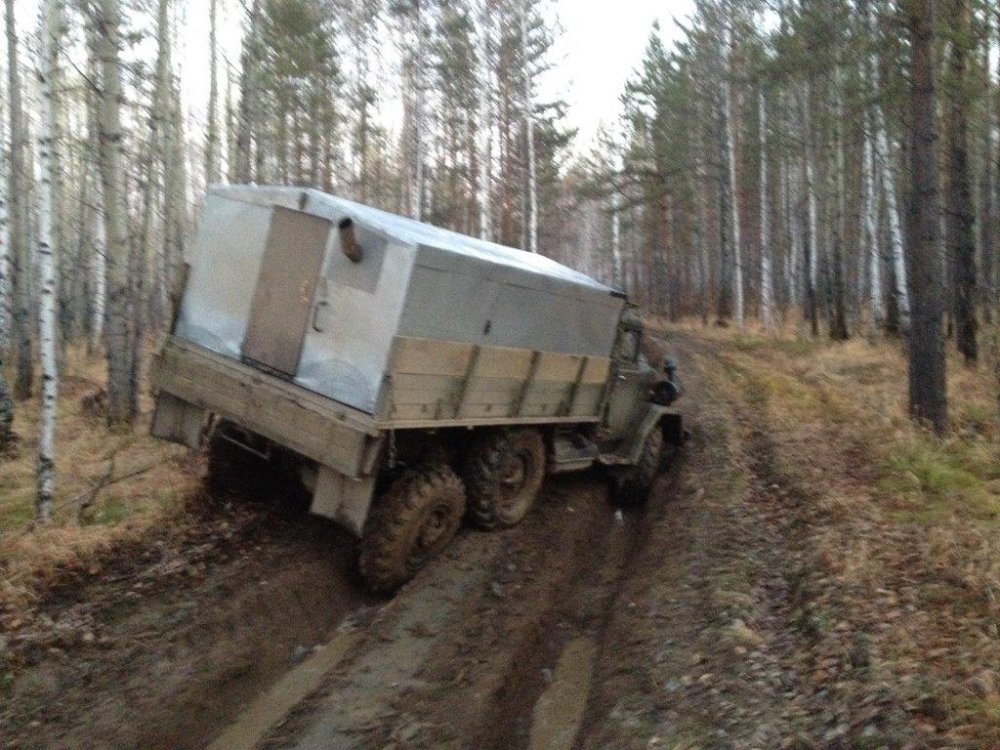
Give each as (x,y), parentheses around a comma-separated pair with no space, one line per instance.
(601,45)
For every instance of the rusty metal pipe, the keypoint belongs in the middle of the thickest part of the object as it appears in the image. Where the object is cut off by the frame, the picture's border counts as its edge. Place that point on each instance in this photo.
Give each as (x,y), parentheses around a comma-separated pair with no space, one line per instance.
(348,242)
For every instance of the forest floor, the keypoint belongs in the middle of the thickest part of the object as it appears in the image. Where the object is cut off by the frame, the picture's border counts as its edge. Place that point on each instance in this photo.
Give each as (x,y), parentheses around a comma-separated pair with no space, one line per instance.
(812,571)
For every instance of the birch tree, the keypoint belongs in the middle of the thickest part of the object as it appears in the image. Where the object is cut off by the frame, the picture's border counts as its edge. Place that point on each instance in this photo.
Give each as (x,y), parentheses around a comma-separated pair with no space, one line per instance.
(529,134)
(212,147)
(766,295)
(17,191)
(886,179)
(6,307)
(122,400)
(732,131)
(6,310)
(485,121)
(249,81)
(48,143)
(870,234)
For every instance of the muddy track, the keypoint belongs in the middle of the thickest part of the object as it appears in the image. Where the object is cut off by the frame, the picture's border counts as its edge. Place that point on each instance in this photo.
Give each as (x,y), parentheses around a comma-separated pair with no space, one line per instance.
(674,626)
(462,655)
(166,646)
(161,644)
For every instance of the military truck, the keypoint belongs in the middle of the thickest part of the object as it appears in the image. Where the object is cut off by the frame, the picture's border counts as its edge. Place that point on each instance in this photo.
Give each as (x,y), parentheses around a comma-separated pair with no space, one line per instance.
(412,376)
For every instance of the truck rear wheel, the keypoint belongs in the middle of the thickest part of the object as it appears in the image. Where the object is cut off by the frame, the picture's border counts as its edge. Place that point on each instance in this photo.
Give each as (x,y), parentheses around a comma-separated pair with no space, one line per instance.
(631,484)
(410,524)
(503,473)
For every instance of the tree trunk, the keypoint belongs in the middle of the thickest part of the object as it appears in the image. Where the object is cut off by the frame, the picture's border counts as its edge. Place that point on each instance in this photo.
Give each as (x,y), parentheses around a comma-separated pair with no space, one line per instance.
(960,215)
(17,191)
(870,235)
(8,177)
(529,131)
(418,63)
(51,33)
(485,123)
(6,267)
(733,130)
(248,98)
(987,215)
(766,294)
(900,289)
(838,291)
(121,401)
(212,155)
(927,376)
(812,236)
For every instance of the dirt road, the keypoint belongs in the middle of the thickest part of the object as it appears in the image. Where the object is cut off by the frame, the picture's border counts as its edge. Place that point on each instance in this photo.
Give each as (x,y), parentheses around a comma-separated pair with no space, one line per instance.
(677,626)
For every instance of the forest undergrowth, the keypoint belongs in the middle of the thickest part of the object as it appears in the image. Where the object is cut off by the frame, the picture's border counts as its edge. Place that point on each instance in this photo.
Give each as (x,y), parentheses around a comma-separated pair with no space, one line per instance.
(112,487)
(900,555)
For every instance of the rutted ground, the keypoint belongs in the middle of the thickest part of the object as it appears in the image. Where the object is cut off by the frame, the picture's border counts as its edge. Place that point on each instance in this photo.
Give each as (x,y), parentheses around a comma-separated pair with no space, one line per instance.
(719,616)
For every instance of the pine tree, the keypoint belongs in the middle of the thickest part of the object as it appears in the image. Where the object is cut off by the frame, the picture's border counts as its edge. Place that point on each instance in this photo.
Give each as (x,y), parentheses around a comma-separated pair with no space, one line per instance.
(928,394)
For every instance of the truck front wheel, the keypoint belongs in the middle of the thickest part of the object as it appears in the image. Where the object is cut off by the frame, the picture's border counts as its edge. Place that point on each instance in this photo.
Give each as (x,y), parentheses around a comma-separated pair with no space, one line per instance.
(631,484)
(410,524)
(503,473)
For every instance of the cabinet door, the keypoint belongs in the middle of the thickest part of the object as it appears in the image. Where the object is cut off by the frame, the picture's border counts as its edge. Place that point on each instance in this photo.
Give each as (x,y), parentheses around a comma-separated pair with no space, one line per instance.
(283,298)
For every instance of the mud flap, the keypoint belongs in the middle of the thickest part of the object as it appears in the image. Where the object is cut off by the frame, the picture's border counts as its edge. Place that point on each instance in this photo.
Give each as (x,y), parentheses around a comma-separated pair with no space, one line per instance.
(178,421)
(343,499)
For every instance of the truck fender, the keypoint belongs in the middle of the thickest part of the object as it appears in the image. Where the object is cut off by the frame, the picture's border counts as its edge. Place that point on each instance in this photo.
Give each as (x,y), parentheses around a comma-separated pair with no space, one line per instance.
(657,418)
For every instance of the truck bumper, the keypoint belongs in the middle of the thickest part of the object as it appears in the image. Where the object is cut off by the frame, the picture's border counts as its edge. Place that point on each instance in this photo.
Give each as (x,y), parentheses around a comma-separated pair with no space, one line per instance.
(191,383)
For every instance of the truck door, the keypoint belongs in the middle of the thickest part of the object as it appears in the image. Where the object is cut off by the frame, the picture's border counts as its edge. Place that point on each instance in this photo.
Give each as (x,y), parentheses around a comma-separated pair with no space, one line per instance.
(282,300)
(628,399)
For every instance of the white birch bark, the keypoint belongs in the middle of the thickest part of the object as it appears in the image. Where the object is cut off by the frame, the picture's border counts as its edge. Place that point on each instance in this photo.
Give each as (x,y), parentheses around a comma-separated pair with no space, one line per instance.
(485,121)
(212,150)
(99,273)
(730,115)
(793,221)
(870,235)
(895,229)
(21,252)
(529,127)
(616,240)
(121,404)
(885,176)
(47,145)
(766,293)
(6,307)
(154,244)
(700,189)
(417,193)
(812,217)
(813,221)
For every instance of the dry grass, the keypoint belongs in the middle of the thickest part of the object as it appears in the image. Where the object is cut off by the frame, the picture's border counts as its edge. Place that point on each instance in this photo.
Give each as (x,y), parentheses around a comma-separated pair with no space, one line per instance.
(903,525)
(142,482)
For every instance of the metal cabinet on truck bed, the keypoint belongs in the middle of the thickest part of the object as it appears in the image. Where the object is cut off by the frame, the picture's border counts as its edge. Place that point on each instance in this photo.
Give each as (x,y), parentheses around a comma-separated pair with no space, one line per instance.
(412,376)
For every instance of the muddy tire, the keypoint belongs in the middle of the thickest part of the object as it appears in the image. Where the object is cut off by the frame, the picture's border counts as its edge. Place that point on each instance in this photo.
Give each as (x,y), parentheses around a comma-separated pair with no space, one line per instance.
(410,525)
(503,473)
(630,485)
